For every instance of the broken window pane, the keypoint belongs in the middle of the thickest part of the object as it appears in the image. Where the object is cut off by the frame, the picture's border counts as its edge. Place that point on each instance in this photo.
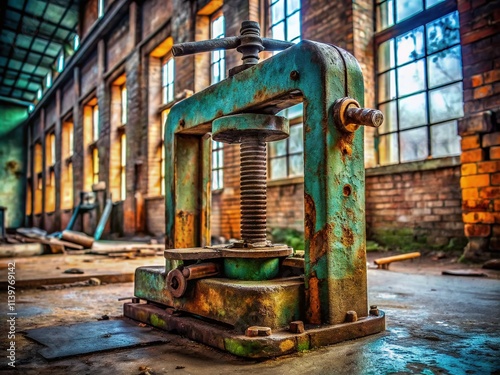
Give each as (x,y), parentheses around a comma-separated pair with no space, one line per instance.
(445,140)
(414,144)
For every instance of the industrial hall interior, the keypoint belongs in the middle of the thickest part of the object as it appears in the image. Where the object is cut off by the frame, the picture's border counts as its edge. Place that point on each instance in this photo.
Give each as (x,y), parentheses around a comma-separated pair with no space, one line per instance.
(234,186)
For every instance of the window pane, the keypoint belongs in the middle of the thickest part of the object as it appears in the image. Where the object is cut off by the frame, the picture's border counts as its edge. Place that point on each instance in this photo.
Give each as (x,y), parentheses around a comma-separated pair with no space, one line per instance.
(410,45)
(385,15)
(293,27)
(387,86)
(296,165)
(295,139)
(388,149)
(277,11)
(277,148)
(444,139)
(444,67)
(292,6)
(446,103)
(220,158)
(413,144)
(278,31)
(278,168)
(215,180)
(443,33)
(407,8)
(386,55)
(429,3)
(215,161)
(390,123)
(412,111)
(295,111)
(411,78)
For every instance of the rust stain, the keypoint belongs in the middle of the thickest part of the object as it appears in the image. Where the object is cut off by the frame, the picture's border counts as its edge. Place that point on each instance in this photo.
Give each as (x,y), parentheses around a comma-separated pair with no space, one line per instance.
(347,236)
(313,313)
(184,229)
(320,241)
(309,216)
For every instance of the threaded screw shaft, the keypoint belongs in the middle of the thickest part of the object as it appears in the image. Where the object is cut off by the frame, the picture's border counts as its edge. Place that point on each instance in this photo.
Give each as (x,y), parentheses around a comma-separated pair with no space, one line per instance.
(253,175)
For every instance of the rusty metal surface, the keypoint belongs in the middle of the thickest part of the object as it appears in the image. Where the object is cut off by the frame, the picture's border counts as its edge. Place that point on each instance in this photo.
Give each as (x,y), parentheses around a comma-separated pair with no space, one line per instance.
(270,303)
(91,337)
(266,128)
(349,116)
(260,346)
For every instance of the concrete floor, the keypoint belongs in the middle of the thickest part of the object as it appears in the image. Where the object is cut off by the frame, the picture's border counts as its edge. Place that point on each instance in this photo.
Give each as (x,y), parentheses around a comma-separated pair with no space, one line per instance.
(435,325)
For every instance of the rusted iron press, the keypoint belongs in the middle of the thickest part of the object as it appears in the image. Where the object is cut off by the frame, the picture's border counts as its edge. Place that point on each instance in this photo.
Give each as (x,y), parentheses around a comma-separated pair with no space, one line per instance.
(254,298)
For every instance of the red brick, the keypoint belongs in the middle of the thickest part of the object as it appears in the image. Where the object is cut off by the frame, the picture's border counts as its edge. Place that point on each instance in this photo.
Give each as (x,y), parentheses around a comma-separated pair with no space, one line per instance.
(470,142)
(495,179)
(477,230)
(483,91)
(479,217)
(468,169)
(477,80)
(492,76)
(492,139)
(480,180)
(476,205)
(472,156)
(471,193)
(488,167)
(489,192)
(495,153)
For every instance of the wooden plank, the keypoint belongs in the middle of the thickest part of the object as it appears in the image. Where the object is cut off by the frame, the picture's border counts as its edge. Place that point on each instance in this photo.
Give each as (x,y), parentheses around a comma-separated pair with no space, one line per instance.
(20,250)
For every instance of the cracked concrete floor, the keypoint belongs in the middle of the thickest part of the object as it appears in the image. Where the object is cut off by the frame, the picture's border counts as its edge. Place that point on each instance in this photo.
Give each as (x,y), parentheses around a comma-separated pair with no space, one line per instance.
(435,325)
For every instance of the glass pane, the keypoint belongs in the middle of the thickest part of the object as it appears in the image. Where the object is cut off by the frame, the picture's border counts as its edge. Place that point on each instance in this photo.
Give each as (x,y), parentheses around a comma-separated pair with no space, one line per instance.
(410,45)
(386,55)
(214,159)
(215,181)
(292,6)
(277,11)
(407,8)
(220,158)
(278,31)
(385,15)
(220,177)
(278,168)
(446,103)
(388,149)
(413,144)
(445,140)
(293,27)
(296,165)
(222,66)
(412,111)
(171,71)
(444,67)
(411,78)
(390,123)
(295,139)
(387,86)
(443,33)
(277,148)
(429,3)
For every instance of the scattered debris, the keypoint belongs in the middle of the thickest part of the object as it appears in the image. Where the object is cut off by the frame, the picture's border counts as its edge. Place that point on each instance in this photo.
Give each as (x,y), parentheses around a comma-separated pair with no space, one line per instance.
(77,271)
(104,317)
(90,282)
(464,272)
(145,370)
(179,367)
(493,264)
(438,255)
(78,238)
(94,281)
(385,262)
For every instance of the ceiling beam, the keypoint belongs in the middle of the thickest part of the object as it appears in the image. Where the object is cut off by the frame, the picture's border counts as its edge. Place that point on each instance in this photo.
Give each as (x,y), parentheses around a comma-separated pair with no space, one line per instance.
(34,53)
(15,101)
(16,71)
(35,32)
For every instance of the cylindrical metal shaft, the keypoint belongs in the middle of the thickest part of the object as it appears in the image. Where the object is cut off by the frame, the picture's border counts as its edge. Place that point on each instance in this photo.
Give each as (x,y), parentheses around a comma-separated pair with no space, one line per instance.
(253,173)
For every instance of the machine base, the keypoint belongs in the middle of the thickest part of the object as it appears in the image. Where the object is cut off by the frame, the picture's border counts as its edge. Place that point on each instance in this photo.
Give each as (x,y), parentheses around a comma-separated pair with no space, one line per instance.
(278,343)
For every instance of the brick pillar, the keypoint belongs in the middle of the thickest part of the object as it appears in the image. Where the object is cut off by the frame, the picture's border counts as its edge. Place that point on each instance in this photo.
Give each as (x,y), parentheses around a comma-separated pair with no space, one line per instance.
(479,128)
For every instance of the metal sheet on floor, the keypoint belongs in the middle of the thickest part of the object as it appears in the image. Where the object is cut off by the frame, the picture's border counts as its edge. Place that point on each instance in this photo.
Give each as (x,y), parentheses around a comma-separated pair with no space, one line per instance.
(91,337)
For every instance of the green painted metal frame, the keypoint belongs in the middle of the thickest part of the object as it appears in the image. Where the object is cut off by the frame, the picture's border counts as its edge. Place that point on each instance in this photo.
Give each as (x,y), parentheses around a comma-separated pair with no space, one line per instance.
(335,258)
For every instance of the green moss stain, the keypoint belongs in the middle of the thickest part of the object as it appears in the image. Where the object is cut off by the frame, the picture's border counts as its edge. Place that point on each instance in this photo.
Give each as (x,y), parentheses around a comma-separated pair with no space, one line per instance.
(158,322)
(251,269)
(242,348)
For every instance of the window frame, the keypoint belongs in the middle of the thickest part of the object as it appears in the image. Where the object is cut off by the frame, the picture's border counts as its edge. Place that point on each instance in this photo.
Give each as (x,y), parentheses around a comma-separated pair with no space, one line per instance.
(167,82)
(123,104)
(398,29)
(217,149)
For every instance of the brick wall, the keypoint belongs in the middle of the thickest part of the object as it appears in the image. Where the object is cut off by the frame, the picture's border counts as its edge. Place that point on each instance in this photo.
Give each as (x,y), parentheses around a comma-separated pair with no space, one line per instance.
(411,210)
(480,130)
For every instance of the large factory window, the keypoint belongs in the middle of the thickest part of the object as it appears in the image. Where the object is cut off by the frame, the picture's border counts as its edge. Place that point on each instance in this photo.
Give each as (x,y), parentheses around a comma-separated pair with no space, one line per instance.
(285,20)
(419,80)
(50,159)
(91,129)
(67,147)
(38,169)
(118,125)
(161,151)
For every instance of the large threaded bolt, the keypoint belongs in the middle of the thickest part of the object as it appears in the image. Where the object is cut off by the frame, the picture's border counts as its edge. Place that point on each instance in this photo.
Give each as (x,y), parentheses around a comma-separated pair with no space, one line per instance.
(253,174)
(349,116)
